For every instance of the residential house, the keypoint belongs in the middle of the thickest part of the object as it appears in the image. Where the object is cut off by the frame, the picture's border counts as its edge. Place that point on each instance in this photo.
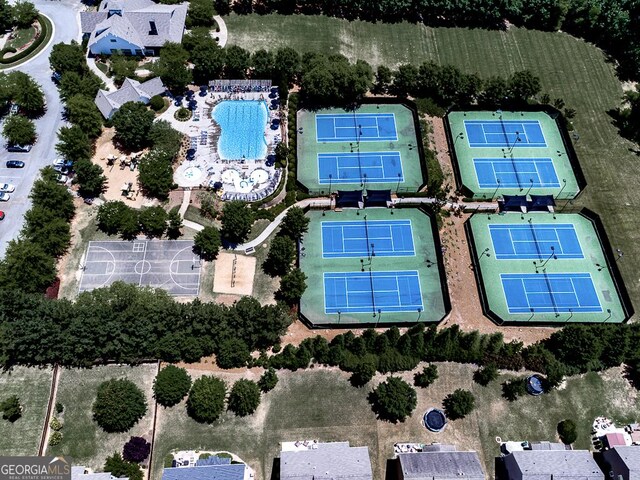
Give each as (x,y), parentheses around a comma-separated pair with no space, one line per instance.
(439,462)
(130,91)
(83,473)
(334,461)
(623,462)
(551,464)
(132,27)
(212,468)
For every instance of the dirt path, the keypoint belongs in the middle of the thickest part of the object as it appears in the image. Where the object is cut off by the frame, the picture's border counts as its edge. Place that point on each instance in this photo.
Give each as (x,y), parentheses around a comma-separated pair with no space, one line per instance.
(44,439)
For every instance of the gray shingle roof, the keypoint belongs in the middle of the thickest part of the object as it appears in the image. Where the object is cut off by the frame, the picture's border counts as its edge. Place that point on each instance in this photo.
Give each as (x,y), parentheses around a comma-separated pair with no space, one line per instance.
(330,461)
(78,473)
(441,465)
(556,464)
(547,446)
(130,91)
(207,472)
(630,455)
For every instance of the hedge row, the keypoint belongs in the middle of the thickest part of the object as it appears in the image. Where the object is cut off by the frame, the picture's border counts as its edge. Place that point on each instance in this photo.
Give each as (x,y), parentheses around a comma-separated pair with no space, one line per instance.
(45,34)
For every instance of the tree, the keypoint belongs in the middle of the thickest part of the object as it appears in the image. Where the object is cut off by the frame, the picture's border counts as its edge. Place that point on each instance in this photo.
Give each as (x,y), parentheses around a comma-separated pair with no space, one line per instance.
(384,77)
(174,224)
(132,122)
(26,92)
(286,65)
(486,374)
(6,15)
(68,57)
(292,286)
(156,103)
(200,13)
(236,222)
(74,144)
(165,139)
(207,57)
(268,380)
(11,408)
(155,174)
(119,405)
(90,178)
(122,67)
(426,377)
(19,130)
(82,111)
(206,399)
(26,267)
(153,221)
(24,14)
(129,224)
(52,196)
(567,431)
(172,67)
(294,224)
(393,400)
(45,228)
(110,216)
(281,254)
(120,468)
(237,62)
(262,62)
(514,388)
(244,397)
(523,85)
(232,353)
(494,93)
(72,83)
(207,243)
(171,385)
(459,404)
(137,450)
(363,371)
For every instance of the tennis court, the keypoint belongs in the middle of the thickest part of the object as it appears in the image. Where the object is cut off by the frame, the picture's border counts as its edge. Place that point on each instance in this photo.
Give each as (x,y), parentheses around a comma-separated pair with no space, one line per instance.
(516,172)
(499,153)
(372,167)
(372,292)
(381,238)
(543,267)
(539,241)
(356,127)
(504,133)
(550,293)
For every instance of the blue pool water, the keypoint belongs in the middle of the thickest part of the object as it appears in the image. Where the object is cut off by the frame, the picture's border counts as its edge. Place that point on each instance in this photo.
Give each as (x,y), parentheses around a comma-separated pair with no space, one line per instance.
(242,124)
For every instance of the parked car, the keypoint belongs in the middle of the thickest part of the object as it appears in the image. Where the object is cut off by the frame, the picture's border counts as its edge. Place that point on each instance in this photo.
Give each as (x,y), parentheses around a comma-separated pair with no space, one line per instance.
(14,108)
(62,178)
(15,164)
(62,170)
(61,162)
(4,197)
(7,187)
(19,148)
(1,215)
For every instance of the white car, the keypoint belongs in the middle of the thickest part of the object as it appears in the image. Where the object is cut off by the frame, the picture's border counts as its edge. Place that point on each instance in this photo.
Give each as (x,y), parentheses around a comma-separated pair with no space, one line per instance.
(4,197)
(62,178)
(7,187)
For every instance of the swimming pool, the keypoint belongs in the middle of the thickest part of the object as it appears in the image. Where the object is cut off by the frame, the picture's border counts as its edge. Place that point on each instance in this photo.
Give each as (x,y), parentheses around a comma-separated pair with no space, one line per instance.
(242,124)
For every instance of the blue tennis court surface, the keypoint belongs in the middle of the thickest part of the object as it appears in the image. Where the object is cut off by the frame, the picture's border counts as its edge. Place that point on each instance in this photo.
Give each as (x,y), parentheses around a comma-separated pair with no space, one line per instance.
(381,238)
(504,133)
(550,293)
(534,241)
(374,167)
(515,172)
(358,127)
(372,292)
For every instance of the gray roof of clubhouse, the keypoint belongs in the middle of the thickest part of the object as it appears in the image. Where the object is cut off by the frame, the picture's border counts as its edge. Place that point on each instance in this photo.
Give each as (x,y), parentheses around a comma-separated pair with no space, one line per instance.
(130,91)
(441,465)
(630,456)
(329,461)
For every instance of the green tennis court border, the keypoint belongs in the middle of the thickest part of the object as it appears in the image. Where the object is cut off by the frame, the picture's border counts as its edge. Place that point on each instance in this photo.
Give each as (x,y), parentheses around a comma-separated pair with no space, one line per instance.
(559,149)
(607,280)
(409,144)
(433,283)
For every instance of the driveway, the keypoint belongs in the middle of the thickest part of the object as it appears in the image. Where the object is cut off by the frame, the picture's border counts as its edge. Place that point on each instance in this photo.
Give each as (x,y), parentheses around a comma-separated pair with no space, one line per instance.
(64,15)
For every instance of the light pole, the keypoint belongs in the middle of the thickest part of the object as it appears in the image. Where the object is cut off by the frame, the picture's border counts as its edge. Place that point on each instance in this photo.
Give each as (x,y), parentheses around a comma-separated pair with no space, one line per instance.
(497,187)
(530,187)
(532,313)
(330,180)
(620,254)
(517,139)
(570,315)
(419,313)
(484,252)
(339,312)
(564,184)
(379,316)
(609,312)
(398,185)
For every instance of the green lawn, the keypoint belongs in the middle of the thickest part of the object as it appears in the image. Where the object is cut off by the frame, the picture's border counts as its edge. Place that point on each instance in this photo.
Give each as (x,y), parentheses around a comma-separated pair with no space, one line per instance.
(83,440)
(32,386)
(320,404)
(22,37)
(569,68)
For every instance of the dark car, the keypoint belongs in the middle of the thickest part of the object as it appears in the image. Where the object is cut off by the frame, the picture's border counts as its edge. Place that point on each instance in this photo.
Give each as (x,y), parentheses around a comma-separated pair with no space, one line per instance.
(19,148)
(15,164)
(1,215)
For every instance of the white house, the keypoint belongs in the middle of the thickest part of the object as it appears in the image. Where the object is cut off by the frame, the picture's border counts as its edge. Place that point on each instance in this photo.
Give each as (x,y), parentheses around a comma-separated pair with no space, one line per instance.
(133,27)
(130,91)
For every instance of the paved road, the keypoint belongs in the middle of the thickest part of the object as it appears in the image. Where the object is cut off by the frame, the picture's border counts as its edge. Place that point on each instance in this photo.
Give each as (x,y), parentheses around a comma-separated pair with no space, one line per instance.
(64,15)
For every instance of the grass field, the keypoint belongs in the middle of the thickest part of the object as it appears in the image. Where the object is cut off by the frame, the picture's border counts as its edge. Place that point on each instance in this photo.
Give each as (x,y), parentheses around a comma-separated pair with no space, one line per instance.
(321,404)
(84,440)
(32,386)
(576,71)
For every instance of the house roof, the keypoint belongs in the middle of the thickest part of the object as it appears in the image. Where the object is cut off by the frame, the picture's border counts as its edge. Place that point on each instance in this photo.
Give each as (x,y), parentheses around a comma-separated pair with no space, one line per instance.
(630,456)
(548,446)
(615,439)
(556,464)
(133,24)
(329,461)
(206,472)
(80,473)
(441,465)
(130,91)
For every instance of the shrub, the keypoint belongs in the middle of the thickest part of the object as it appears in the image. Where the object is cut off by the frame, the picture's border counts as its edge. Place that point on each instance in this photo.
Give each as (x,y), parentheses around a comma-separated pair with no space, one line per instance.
(514,388)
(567,431)
(363,371)
(118,467)
(11,408)
(59,407)
(244,397)
(426,377)
(233,353)
(119,405)
(182,114)
(171,385)
(268,380)
(137,449)
(486,374)
(206,399)
(156,103)
(55,438)
(459,404)
(55,424)
(393,400)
